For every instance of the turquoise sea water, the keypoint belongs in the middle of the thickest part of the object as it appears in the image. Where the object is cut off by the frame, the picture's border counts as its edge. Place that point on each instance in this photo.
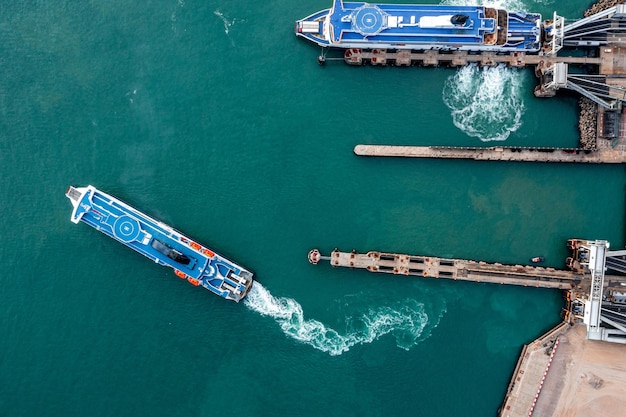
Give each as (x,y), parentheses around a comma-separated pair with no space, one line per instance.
(213,117)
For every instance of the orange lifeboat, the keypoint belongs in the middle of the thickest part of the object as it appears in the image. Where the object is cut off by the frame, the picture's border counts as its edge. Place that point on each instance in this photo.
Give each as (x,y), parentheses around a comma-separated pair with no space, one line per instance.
(193,281)
(180,274)
(208,253)
(195,245)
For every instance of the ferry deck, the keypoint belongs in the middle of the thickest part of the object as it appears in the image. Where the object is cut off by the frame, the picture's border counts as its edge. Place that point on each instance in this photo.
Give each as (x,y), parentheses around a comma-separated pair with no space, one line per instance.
(414,26)
(161,243)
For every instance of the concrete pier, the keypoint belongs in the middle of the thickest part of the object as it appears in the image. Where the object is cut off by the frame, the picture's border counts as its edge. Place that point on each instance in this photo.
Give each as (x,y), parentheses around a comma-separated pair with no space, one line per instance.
(608,146)
(498,153)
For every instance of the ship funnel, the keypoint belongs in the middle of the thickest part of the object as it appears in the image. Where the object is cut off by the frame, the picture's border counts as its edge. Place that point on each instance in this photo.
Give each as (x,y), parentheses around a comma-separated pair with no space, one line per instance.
(459,19)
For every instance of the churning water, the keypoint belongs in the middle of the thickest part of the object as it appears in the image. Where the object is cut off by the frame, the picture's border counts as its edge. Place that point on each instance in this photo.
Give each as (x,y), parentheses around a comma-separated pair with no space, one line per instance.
(406,321)
(486,103)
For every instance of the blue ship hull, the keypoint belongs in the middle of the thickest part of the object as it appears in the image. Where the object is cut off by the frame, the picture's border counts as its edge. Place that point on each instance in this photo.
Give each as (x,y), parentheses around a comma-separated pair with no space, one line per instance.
(420,27)
(164,245)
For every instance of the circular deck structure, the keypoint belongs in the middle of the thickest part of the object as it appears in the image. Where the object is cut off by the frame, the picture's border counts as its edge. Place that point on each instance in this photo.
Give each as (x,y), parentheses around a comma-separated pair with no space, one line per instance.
(314,256)
(126,229)
(369,20)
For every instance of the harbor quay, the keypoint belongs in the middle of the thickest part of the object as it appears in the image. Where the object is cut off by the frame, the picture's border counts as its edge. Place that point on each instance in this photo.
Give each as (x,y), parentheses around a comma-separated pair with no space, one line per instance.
(530,372)
(594,310)
(563,374)
(571,370)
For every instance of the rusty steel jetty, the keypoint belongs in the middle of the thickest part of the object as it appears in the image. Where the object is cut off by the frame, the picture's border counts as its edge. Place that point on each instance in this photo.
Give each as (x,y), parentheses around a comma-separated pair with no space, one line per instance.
(436,58)
(456,269)
(585,278)
(590,302)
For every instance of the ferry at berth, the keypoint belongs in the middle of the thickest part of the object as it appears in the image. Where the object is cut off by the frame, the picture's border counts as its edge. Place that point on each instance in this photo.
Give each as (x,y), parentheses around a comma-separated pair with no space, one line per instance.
(191,261)
(356,25)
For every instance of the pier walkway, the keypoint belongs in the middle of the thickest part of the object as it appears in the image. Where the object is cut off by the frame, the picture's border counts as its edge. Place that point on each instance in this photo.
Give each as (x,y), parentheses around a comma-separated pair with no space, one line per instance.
(498,153)
(403,57)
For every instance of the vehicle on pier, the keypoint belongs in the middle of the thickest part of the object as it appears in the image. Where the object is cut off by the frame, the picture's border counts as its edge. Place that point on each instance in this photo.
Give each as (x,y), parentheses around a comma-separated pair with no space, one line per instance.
(166,246)
(419,27)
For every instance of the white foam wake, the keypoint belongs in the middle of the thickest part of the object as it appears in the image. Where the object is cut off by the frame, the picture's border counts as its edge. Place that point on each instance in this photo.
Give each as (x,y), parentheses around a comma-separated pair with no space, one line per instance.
(511,5)
(227,23)
(485,103)
(180,4)
(406,321)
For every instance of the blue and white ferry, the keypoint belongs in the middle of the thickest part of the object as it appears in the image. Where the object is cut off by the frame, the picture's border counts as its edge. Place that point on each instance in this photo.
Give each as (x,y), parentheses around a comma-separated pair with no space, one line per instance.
(421,27)
(191,261)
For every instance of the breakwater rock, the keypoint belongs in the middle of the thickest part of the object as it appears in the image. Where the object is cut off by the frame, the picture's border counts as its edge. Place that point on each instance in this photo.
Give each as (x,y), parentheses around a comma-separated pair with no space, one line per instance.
(587,124)
(601,6)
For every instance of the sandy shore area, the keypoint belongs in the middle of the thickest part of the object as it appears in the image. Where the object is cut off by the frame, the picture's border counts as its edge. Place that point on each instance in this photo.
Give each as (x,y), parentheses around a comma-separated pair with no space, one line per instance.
(586,378)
